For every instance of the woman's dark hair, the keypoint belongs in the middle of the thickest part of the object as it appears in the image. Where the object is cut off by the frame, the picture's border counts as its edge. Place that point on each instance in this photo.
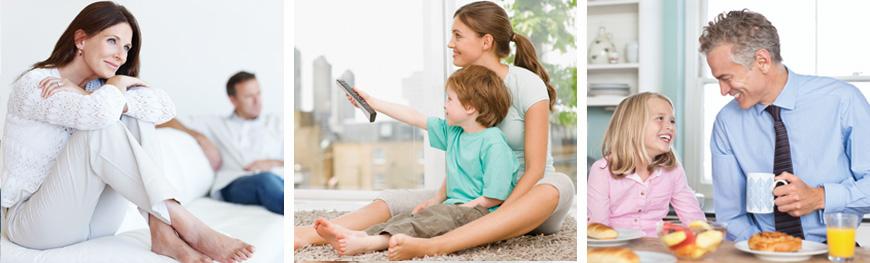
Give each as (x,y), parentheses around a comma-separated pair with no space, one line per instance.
(92,19)
(489,18)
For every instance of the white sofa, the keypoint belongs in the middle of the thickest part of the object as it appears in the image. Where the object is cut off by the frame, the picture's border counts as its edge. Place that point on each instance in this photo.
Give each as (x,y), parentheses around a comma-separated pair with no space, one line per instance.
(192,176)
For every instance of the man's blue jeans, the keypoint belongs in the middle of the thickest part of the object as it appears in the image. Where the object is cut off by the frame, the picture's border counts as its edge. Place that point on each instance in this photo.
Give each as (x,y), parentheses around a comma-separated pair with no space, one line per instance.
(266,189)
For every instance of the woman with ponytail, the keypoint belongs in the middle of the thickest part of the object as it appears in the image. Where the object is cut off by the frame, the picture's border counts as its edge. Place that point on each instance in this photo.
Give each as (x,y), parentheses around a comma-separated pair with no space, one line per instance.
(481,35)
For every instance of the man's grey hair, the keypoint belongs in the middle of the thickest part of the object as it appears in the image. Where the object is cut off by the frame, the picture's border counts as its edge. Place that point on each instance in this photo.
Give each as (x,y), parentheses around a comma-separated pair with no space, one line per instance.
(747,31)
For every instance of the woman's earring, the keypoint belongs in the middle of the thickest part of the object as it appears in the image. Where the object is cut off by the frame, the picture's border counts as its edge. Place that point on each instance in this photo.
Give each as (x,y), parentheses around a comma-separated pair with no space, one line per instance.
(79,52)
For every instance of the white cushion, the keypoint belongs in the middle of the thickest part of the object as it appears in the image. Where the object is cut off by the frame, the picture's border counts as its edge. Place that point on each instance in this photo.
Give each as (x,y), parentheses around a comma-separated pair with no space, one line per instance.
(189,171)
(185,164)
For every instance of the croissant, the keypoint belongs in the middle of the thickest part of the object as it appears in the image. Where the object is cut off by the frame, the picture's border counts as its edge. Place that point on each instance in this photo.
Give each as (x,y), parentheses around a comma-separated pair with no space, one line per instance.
(611,255)
(601,231)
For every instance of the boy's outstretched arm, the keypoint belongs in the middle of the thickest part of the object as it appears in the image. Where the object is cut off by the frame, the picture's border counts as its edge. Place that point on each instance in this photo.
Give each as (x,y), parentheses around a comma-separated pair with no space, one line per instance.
(396,111)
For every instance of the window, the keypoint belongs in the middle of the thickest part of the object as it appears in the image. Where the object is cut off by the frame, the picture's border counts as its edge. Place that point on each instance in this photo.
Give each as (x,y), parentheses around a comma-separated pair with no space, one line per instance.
(392,50)
(397,50)
(815,38)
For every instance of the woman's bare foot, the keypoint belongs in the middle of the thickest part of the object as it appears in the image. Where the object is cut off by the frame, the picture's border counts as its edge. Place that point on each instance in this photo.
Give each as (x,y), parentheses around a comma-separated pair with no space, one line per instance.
(332,233)
(165,241)
(304,236)
(206,240)
(404,247)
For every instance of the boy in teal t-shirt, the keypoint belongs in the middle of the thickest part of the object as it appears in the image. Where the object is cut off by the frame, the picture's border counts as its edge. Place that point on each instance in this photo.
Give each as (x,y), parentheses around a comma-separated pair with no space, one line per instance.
(481,167)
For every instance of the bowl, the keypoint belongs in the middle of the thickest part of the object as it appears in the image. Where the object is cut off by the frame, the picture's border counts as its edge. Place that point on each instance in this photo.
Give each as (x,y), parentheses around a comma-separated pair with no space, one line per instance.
(691,242)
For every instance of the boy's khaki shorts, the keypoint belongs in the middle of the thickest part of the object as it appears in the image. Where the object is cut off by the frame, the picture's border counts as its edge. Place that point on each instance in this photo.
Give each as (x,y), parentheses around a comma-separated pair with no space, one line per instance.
(400,201)
(430,222)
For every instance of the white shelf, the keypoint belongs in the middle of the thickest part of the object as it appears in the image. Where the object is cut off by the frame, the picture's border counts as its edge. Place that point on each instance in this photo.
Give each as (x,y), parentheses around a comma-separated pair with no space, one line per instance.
(603,101)
(592,3)
(627,21)
(617,66)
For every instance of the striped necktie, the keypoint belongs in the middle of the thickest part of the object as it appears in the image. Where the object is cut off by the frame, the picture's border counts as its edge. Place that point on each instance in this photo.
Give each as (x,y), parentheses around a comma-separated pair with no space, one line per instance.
(782,163)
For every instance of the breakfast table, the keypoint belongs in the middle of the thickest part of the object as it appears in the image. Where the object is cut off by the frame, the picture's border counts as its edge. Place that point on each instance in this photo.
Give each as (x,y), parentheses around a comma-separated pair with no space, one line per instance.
(728,253)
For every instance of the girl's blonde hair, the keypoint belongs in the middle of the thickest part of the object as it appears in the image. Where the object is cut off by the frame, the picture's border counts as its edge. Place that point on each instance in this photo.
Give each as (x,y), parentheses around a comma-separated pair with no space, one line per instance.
(624,145)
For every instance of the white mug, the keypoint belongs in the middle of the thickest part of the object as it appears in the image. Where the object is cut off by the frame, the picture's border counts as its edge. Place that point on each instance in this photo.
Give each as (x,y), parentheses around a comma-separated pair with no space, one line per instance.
(759,192)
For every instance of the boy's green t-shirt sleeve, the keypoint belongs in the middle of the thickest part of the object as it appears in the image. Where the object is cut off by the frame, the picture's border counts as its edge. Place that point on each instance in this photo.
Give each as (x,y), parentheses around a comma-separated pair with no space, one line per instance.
(437,129)
(499,171)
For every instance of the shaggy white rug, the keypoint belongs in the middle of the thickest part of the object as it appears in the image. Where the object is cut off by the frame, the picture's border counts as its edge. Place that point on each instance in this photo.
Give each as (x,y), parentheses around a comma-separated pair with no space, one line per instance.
(561,246)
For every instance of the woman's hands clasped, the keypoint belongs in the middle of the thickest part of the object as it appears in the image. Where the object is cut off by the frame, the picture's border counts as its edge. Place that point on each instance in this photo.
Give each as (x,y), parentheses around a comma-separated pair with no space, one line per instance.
(125,82)
(52,85)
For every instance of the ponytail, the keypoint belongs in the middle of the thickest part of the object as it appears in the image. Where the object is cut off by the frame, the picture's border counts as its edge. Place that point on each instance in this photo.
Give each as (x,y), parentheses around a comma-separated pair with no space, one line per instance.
(528,59)
(486,17)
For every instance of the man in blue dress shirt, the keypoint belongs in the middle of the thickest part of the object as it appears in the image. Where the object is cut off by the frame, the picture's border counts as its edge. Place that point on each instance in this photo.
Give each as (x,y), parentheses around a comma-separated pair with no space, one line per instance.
(815,130)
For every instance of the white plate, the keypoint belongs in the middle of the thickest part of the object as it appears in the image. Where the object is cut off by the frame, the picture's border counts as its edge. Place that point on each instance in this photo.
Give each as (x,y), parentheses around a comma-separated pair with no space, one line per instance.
(808,249)
(625,235)
(655,257)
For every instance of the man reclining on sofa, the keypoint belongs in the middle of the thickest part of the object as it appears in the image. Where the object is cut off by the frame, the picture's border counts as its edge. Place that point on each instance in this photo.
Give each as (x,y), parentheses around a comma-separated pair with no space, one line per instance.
(249,155)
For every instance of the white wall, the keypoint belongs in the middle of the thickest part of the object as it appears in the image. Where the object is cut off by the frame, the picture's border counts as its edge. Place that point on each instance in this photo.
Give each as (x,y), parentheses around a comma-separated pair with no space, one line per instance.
(189,48)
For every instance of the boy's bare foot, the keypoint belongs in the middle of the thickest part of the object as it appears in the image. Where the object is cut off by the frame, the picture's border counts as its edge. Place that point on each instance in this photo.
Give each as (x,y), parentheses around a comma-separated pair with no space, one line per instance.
(297,244)
(333,232)
(404,247)
(206,240)
(165,241)
(353,245)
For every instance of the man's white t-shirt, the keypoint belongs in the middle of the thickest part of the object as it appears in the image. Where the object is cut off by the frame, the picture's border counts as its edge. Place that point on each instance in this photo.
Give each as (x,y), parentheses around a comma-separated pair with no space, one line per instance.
(240,142)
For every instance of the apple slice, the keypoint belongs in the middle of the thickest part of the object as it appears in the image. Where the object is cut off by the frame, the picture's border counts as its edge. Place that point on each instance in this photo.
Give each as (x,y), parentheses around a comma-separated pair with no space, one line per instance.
(708,240)
(697,253)
(674,238)
(699,226)
(686,251)
(689,240)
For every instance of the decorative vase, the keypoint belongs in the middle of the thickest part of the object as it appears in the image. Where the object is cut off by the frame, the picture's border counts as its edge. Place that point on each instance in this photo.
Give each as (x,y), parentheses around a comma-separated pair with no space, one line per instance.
(601,50)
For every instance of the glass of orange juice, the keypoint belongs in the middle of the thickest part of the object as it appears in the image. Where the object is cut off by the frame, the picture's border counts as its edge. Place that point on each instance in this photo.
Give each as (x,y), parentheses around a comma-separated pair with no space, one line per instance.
(841,236)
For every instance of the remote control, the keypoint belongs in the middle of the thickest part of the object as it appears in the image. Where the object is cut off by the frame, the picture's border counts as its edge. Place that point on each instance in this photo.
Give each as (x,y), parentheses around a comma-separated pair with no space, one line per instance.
(359,100)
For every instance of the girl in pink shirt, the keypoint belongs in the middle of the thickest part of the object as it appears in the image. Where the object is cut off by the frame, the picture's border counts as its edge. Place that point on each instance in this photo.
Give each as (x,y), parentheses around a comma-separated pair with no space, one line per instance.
(639,176)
